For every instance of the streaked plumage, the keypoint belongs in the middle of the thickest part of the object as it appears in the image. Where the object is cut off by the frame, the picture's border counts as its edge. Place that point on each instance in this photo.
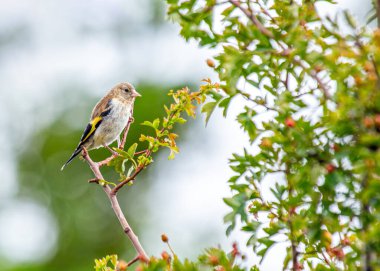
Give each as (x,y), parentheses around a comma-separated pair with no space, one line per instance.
(108,119)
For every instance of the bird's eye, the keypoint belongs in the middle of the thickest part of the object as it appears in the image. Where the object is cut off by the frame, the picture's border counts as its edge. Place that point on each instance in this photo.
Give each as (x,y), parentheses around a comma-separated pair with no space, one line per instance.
(126,90)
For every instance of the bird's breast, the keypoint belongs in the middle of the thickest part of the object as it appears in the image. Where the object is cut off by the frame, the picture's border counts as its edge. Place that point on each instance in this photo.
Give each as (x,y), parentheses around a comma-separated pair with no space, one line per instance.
(113,124)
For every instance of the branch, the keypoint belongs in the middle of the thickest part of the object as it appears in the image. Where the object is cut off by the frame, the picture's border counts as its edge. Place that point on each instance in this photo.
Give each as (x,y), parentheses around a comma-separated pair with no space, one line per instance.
(325,258)
(116,207)
(124,139)
(127,180)
(367,259)
(253,18)
(295,263)
(314,75)
(135,259)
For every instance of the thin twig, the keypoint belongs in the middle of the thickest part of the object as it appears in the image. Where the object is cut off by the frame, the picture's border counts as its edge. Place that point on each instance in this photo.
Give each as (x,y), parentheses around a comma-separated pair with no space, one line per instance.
(266,12)
(135,259)
(127,180)
(94,180)
(116,206)
(141,152)
(124,139)
(325,88)
(325,258)
(170,248)
(253,18)
(286,51)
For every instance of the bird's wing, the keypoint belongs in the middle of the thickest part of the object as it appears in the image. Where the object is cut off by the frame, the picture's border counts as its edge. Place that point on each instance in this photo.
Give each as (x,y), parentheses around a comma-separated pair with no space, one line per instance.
(100,111)
(90,129)
(88,132)
(103,105)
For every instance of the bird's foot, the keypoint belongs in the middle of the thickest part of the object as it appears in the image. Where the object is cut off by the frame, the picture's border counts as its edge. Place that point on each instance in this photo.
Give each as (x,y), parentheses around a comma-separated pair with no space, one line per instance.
(131,119)
(84,152)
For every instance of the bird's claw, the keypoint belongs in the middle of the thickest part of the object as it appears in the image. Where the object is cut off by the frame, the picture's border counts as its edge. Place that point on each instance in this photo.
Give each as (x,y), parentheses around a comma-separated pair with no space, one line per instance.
(84,152)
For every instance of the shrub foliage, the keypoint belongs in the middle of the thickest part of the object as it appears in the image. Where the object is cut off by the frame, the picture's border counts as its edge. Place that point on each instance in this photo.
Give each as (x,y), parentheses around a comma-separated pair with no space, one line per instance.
(309,90)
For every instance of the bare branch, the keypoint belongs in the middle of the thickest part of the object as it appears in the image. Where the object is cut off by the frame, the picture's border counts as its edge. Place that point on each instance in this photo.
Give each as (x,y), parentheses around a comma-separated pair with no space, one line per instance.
(135,259)
(115,206)
(325,258)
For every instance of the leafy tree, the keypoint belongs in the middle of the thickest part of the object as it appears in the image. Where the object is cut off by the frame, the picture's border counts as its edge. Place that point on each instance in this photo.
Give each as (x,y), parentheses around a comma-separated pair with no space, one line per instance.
(311,92)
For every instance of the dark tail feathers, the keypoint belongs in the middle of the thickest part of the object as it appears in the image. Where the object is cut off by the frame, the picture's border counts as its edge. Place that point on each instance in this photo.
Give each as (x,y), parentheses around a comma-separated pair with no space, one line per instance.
(76,152)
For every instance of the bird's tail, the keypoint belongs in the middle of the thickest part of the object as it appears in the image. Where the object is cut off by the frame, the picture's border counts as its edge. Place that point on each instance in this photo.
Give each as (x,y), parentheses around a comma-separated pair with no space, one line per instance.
(75,153)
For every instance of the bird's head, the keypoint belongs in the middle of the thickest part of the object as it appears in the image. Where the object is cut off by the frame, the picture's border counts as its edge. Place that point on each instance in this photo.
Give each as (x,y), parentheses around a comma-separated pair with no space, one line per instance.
(126,91)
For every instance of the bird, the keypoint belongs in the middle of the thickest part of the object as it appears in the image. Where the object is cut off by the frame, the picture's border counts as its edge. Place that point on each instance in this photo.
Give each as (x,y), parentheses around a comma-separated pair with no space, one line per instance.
(108,119)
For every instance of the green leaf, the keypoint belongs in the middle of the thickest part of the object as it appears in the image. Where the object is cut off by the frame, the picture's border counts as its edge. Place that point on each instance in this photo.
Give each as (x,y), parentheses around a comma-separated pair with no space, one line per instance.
(224,103)
(132,150)
(156,123)
(350,19)
(232,202)
(208,109)
(119,164)
(130,170)
(180,120)
(126,155)
(147,123)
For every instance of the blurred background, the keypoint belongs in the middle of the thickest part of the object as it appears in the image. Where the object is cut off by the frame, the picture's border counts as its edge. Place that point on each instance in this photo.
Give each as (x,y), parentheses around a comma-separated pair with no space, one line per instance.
(57,58)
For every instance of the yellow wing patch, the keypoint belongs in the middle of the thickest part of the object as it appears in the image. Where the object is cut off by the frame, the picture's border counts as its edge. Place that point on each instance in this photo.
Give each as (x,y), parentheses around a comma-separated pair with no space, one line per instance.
(93,124)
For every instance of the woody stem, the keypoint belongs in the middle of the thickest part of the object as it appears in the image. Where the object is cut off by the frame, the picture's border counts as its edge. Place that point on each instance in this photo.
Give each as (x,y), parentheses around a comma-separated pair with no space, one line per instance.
(116,208)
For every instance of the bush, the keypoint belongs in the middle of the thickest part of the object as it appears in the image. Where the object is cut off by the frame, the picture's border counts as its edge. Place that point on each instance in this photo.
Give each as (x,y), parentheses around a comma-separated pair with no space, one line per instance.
(311,93)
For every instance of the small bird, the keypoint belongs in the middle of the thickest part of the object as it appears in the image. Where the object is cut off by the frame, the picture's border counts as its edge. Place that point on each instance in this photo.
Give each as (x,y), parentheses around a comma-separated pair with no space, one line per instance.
(108,119)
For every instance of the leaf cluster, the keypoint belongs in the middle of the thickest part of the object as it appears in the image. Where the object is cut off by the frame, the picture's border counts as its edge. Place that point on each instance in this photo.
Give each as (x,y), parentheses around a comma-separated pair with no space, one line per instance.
(211,259)
(108,263)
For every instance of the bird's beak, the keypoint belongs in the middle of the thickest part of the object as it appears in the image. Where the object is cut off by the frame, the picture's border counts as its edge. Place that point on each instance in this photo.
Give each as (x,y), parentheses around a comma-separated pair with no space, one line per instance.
(136,94)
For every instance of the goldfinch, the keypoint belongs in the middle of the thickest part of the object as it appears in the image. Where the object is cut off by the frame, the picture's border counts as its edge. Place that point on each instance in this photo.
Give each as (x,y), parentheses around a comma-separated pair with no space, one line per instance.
(108,119)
